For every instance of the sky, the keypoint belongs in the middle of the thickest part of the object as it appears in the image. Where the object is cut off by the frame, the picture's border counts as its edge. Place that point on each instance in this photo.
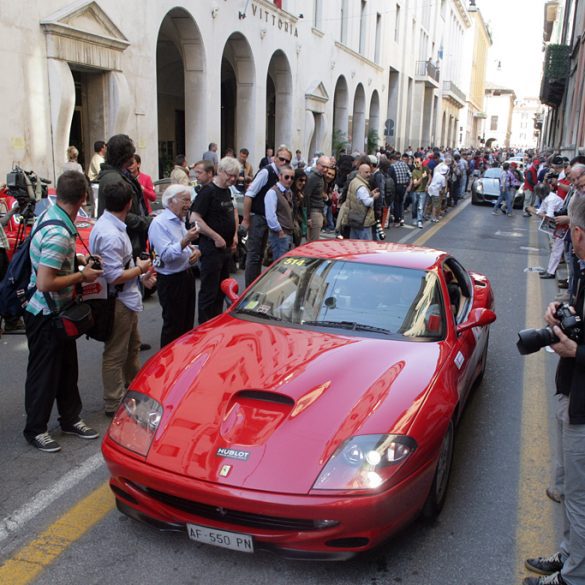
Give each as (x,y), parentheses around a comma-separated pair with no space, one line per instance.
(516,27)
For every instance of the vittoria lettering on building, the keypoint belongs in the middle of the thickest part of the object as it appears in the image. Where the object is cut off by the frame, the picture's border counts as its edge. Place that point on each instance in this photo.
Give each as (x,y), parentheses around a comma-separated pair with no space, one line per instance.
(274,19)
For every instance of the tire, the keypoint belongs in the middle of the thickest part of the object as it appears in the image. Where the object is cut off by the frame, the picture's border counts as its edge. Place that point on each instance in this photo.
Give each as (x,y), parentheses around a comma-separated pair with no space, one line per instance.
(436,498)
(474,200)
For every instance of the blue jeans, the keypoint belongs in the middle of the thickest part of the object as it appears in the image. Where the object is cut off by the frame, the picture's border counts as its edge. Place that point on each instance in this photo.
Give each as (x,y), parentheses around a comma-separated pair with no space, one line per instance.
(509,195)
(329,223)
(257,234)
(364,233)
(418,205)
(463,185)
(279,246)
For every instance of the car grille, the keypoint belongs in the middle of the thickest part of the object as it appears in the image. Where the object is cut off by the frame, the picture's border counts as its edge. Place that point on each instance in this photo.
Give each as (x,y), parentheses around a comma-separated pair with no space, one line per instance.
(228,515)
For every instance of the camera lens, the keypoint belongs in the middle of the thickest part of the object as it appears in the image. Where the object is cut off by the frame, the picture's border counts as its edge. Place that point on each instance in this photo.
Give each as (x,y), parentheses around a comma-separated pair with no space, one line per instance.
(531,340)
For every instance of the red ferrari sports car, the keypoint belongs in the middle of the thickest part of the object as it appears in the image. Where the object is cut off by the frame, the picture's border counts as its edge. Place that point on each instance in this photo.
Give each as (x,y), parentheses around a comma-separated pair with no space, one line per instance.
(316,416)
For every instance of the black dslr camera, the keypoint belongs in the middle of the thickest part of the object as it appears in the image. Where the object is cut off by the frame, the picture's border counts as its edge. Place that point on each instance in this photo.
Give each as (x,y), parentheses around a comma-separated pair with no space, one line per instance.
(97,265)
(531,340)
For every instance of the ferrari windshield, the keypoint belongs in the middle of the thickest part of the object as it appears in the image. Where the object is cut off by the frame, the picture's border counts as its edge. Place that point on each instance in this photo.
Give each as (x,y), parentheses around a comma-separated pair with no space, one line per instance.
(495,173)
(353,297)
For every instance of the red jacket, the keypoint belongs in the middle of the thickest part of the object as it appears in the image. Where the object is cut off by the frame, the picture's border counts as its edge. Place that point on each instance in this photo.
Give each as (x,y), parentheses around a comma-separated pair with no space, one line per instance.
(530,178)
(147,190)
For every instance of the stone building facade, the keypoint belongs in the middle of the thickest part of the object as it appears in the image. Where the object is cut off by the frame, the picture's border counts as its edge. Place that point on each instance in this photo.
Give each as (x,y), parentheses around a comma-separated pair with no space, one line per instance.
(241,73)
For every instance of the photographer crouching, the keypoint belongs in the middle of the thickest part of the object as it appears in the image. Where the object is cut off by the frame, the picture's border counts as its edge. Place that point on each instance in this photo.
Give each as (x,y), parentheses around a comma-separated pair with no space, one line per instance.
(567,566)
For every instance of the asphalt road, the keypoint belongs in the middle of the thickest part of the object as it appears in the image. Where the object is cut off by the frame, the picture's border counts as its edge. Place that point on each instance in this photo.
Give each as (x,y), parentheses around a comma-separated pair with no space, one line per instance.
(496,511)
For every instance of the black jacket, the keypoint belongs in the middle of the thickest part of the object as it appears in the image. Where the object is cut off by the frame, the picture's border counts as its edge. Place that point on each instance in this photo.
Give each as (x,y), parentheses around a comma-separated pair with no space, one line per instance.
(137,221)
(570,376)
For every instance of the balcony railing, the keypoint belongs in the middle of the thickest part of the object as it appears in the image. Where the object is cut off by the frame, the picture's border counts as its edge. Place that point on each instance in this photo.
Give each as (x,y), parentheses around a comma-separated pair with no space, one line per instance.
(450,90)
(427,69)
(557,65)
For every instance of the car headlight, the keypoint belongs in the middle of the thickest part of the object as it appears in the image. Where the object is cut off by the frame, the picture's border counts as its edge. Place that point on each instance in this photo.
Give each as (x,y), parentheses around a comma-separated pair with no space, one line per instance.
(136,422)
(364,462)
(479,187)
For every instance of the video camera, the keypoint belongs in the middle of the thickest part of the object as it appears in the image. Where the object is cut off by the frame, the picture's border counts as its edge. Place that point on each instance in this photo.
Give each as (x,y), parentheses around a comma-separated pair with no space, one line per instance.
(26,187)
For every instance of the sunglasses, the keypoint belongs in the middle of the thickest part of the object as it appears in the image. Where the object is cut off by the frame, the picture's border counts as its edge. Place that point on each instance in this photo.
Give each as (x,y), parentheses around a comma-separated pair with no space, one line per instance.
(284,160)
(288,177)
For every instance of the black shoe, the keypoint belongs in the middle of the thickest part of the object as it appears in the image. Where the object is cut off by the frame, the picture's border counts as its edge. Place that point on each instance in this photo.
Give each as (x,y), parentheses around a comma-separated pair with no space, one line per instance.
(546,275)
(110,413)
(564,283)
(545,565)
(145,346)
(81,430)
(44,442)
(554,579)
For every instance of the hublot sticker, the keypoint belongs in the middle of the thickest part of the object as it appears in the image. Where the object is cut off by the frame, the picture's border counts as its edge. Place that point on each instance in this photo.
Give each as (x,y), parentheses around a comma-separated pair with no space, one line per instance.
(233,453)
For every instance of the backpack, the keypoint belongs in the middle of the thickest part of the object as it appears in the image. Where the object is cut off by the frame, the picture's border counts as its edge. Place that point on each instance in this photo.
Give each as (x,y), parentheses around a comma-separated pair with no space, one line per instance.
(390,190)
(14,290)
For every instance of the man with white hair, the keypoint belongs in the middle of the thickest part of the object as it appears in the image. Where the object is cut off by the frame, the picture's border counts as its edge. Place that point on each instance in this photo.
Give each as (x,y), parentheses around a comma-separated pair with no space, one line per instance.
(175,255)
(567,565)
(217,218)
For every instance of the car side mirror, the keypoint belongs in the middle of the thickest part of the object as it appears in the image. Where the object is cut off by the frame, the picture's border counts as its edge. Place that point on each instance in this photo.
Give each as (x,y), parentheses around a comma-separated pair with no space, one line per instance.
(230,288)
(477,318)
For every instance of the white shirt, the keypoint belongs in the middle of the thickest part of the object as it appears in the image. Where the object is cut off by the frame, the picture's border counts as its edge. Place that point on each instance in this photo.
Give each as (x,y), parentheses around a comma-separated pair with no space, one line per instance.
(165,234)
(110,240)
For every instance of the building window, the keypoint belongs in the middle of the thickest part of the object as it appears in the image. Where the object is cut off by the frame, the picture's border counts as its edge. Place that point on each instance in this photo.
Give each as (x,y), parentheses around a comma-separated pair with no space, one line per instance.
(378,38)
(318,11)
(494,123)
(344,19)
(397,24)
(363,27)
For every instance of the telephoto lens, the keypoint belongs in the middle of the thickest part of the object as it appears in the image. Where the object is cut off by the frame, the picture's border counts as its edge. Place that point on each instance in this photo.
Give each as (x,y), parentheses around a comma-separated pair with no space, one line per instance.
(531,340)
(380,233)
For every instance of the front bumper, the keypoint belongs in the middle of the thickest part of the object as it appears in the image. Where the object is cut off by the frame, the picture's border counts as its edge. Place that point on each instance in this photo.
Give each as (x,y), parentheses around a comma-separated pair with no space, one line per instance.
(169,502)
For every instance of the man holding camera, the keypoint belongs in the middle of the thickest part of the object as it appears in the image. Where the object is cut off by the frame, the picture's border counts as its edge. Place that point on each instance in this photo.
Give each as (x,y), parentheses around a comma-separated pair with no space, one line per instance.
(567,566)
(52,371)
(109,240)
(360,204)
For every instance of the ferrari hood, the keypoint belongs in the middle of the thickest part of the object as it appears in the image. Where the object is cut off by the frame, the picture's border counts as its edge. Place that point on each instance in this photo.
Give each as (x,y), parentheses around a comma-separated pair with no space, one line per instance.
(490,186)
(264,407)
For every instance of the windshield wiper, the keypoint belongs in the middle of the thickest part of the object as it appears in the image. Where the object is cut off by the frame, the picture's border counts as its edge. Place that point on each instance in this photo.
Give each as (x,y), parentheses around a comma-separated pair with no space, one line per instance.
(353,325)
(267,316)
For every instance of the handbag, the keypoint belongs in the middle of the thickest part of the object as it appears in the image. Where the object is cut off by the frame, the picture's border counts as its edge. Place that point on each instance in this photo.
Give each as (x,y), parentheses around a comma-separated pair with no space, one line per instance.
(103,311)
(72,321)
(356,217)
(101,297)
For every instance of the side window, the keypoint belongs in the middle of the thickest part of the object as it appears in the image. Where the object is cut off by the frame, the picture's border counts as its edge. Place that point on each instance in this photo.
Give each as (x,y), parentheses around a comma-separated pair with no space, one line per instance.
(458,289)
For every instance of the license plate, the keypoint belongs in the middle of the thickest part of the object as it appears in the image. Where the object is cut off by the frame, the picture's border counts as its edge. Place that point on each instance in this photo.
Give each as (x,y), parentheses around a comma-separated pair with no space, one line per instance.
(222,538)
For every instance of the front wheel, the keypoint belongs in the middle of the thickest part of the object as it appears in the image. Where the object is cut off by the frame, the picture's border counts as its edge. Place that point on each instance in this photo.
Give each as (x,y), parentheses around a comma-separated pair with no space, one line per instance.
(438,493)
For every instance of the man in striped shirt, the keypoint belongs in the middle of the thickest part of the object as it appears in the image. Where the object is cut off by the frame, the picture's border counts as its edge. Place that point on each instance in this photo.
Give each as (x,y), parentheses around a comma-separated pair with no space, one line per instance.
(52,364)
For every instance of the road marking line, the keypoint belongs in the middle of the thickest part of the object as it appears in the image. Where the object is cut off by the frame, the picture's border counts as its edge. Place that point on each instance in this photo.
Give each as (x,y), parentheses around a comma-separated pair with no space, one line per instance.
(535,527)
(31,560)
(45,498)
